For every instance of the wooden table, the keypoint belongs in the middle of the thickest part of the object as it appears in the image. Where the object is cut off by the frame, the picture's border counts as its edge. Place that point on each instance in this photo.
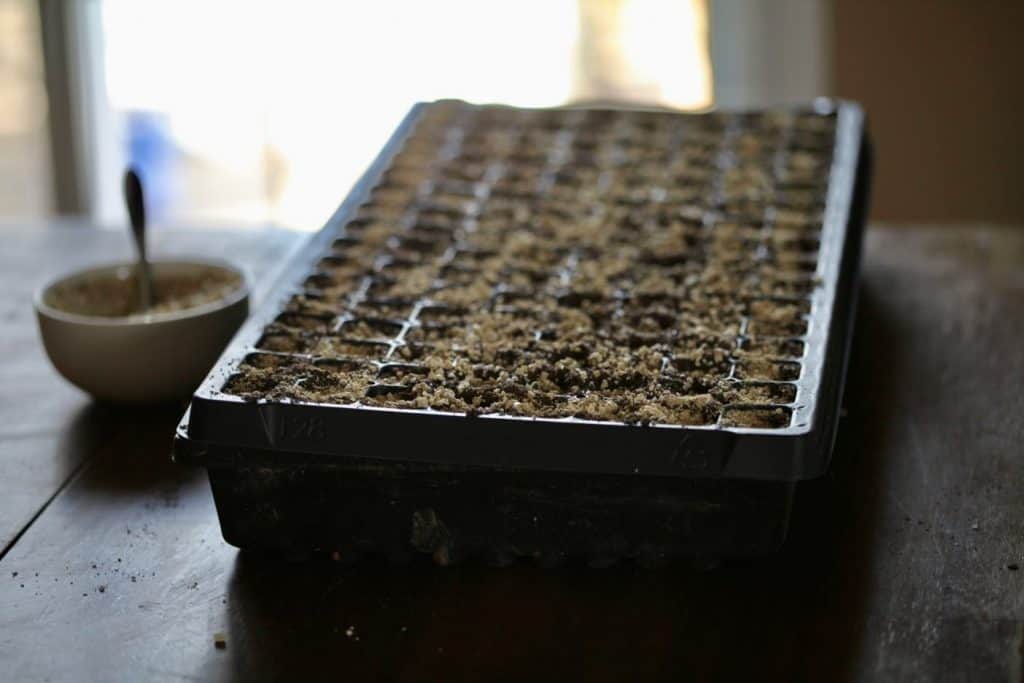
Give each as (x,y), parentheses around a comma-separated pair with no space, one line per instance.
(906,563)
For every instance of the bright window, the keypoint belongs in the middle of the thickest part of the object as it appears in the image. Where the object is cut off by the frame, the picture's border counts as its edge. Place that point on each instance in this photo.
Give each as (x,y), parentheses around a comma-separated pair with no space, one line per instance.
(247,112)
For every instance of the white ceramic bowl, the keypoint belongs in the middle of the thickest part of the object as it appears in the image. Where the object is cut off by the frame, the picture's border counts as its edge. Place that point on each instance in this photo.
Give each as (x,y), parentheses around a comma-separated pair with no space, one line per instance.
(141,357)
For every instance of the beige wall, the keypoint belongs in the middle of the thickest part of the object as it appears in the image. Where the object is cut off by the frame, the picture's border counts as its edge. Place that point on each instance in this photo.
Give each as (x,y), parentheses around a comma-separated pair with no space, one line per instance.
(943,85)
(24,151)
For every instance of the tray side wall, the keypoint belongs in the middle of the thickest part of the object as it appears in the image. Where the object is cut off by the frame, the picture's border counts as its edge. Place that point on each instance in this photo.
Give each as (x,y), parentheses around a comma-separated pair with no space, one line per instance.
(358,507)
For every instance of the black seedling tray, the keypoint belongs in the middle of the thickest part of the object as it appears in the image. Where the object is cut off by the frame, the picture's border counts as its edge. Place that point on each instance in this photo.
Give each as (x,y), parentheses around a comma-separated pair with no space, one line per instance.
(294,476)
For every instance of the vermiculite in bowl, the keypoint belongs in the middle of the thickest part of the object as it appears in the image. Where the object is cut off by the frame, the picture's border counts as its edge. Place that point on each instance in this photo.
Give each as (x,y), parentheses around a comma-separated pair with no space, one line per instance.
(96,337)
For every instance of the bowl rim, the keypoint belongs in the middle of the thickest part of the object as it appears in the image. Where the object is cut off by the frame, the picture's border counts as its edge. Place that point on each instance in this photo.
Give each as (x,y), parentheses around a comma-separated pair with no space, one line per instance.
(136,319)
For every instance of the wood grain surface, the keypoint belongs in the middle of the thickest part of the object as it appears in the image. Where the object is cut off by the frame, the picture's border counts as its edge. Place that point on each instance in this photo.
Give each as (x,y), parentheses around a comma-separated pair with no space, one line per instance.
(48,428)
(905,563)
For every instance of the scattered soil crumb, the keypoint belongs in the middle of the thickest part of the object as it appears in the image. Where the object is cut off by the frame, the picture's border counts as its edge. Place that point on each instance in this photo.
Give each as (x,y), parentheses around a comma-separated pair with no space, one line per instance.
(220,641)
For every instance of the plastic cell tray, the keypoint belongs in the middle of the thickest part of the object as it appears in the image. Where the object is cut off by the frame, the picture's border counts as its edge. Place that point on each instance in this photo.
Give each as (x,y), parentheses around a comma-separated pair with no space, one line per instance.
(363,474)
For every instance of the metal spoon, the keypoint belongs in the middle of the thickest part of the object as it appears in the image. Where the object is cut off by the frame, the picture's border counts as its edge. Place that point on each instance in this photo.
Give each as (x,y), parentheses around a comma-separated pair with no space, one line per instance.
(134,200)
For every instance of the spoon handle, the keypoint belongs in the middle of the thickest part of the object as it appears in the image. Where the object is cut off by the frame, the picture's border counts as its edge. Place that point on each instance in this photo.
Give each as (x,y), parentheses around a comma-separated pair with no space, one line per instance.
(135,202)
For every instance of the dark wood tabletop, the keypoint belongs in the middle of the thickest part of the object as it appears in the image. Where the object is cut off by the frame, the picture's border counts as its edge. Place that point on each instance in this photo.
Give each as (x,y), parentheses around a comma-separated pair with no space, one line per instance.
(905,563)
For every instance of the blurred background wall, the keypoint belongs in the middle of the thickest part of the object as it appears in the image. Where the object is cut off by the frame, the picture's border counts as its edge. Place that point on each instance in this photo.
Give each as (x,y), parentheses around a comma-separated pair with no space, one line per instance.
(25,180)
(942,83)
(244,112)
